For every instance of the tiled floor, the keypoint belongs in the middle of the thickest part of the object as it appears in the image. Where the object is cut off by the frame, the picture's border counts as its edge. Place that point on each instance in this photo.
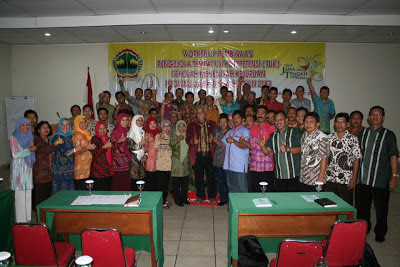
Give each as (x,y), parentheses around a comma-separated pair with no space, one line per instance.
(197,235)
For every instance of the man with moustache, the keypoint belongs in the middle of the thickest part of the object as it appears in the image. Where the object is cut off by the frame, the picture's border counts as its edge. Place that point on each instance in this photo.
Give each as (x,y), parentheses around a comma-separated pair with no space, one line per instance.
(264,95)
(300,114)
(236,155)
(199,139)
(344,160)
(246,91)
(143,105)
(285,145)
(261,166)
(315,154)
(356,118)
(378,171)
(178,101)
(291,117)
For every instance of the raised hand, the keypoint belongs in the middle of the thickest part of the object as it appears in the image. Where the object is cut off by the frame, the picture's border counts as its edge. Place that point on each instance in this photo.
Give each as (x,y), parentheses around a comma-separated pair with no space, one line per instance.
(309,80)
(179,138)
(283,147)
(107,145)
(91,146)
(241,79)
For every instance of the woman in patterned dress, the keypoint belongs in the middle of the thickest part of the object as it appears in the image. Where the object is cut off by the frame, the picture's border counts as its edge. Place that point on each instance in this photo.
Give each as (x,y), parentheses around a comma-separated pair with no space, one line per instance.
(63,162)
(83,156)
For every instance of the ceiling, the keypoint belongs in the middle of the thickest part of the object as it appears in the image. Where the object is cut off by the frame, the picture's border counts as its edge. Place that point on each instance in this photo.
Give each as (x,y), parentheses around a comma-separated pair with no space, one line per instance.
(102,21)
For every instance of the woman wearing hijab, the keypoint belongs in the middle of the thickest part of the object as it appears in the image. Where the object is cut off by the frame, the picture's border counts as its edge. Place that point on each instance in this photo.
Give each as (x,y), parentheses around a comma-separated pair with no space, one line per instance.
(121,156)
(136,142)
(83,156)
(23,158)
(150,164)
(163,160)
(181,169)
(101,170)
(41,169)
(63,163)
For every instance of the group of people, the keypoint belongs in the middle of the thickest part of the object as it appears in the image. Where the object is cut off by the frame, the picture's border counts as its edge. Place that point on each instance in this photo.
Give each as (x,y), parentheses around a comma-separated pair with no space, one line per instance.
(247,141)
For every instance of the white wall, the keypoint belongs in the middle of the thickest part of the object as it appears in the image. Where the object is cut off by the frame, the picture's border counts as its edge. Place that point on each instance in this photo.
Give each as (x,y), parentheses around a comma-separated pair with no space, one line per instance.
(5,90)
(359,76)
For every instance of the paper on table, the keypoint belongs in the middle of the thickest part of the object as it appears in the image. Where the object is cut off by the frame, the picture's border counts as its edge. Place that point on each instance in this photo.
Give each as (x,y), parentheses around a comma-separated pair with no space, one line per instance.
(100,200)
(310,198)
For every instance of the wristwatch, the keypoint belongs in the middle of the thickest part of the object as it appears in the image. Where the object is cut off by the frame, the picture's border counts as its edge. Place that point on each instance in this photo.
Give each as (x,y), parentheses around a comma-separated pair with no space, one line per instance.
(395,174)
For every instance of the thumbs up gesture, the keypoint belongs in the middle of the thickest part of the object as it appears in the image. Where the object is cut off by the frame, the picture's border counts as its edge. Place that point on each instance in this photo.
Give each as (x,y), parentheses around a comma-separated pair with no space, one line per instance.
(122,139)
(229,139)
(284,148)
(195,140)
(261,141)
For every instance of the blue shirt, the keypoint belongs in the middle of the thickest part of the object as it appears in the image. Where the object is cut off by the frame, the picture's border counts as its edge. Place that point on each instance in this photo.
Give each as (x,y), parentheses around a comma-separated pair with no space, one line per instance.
(236,158)
(323,109)
(229,110)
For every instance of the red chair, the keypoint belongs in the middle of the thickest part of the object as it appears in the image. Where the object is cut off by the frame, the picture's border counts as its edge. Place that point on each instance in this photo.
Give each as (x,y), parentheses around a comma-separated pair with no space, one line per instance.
(105,246)
(299,253)
(34,246)
(345,244)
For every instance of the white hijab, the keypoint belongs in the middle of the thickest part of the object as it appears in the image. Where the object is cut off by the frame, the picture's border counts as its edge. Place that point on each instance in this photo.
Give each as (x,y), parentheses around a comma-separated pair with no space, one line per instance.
(137,134)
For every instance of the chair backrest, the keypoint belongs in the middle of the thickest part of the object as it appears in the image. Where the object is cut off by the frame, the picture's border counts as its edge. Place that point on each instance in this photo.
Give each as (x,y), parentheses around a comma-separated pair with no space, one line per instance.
(299,253)
(33,245)
(346,243)
(104,245)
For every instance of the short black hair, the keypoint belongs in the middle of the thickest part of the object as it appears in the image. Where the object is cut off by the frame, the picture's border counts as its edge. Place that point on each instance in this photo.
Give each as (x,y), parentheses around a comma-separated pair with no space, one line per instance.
(148,89)
(281,112)
(211,97)
(313,115)
(302,108)
(189,93)
(119,92)
(107,92)
(250,106)
(139,89)
(254,117)
(87,105)
(178,89)
(98,111)
(264,86)
(30,111)
(324,88)
(343,115)
(237,112)
(377,107)
(165,95)
(292,108)
(198,92)
(153,109)
(262,107)
(126,111)
(75,106)
(286,90)
(39,125)
(300,86)
(223,116)
(273,89)
(223,87)
(230,92)
(357,112)
(271,111)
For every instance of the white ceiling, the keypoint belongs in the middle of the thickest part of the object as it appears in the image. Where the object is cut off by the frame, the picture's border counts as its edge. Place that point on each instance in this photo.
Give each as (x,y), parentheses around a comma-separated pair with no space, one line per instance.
(105,21)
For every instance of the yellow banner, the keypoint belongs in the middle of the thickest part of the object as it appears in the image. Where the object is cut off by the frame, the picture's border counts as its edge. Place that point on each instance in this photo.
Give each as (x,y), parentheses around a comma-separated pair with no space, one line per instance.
(195,66)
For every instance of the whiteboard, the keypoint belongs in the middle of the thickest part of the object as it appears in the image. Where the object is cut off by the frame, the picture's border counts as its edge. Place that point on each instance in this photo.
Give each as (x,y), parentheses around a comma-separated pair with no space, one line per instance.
(15,108)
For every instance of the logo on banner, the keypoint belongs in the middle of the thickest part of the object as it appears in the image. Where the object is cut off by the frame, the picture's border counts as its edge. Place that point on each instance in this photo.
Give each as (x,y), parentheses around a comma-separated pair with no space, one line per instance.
(127,65)
(306,67)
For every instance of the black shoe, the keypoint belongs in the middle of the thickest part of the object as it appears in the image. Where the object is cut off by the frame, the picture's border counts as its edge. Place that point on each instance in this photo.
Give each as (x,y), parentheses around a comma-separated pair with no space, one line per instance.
(179,204)
(186,202)
(380,239)
(221,203)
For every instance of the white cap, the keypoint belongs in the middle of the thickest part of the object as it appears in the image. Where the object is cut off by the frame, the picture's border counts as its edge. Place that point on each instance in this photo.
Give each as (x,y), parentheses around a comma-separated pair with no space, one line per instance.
(4,255)
(82,260)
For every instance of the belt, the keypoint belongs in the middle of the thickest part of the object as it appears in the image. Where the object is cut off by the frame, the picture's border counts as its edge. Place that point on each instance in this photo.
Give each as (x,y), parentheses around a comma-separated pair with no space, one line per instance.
(204,154)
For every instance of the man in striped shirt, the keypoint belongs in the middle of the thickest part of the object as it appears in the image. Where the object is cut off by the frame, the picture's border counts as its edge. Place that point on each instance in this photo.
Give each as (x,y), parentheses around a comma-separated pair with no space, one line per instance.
(285,143)
(378,171)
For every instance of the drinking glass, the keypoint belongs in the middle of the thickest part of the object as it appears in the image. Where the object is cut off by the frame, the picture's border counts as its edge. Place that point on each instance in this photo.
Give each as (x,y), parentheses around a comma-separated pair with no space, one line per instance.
(318,186)
(89,185)
(4,258)
(84,261)
(140,186)
(321,262)
(263,186)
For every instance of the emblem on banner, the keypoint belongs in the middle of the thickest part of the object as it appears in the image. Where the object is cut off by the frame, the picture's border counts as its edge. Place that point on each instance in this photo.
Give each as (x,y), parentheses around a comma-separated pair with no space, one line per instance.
(127,65)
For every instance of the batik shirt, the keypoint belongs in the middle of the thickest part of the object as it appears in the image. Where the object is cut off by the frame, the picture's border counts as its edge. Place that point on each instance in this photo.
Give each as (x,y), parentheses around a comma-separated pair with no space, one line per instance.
(377,147)
(258,161)
(314,148)
(323,109)
(343,152)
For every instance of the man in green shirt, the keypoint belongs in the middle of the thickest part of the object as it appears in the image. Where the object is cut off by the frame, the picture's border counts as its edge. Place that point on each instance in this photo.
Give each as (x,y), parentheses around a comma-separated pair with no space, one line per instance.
(285,143)
(378,171)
